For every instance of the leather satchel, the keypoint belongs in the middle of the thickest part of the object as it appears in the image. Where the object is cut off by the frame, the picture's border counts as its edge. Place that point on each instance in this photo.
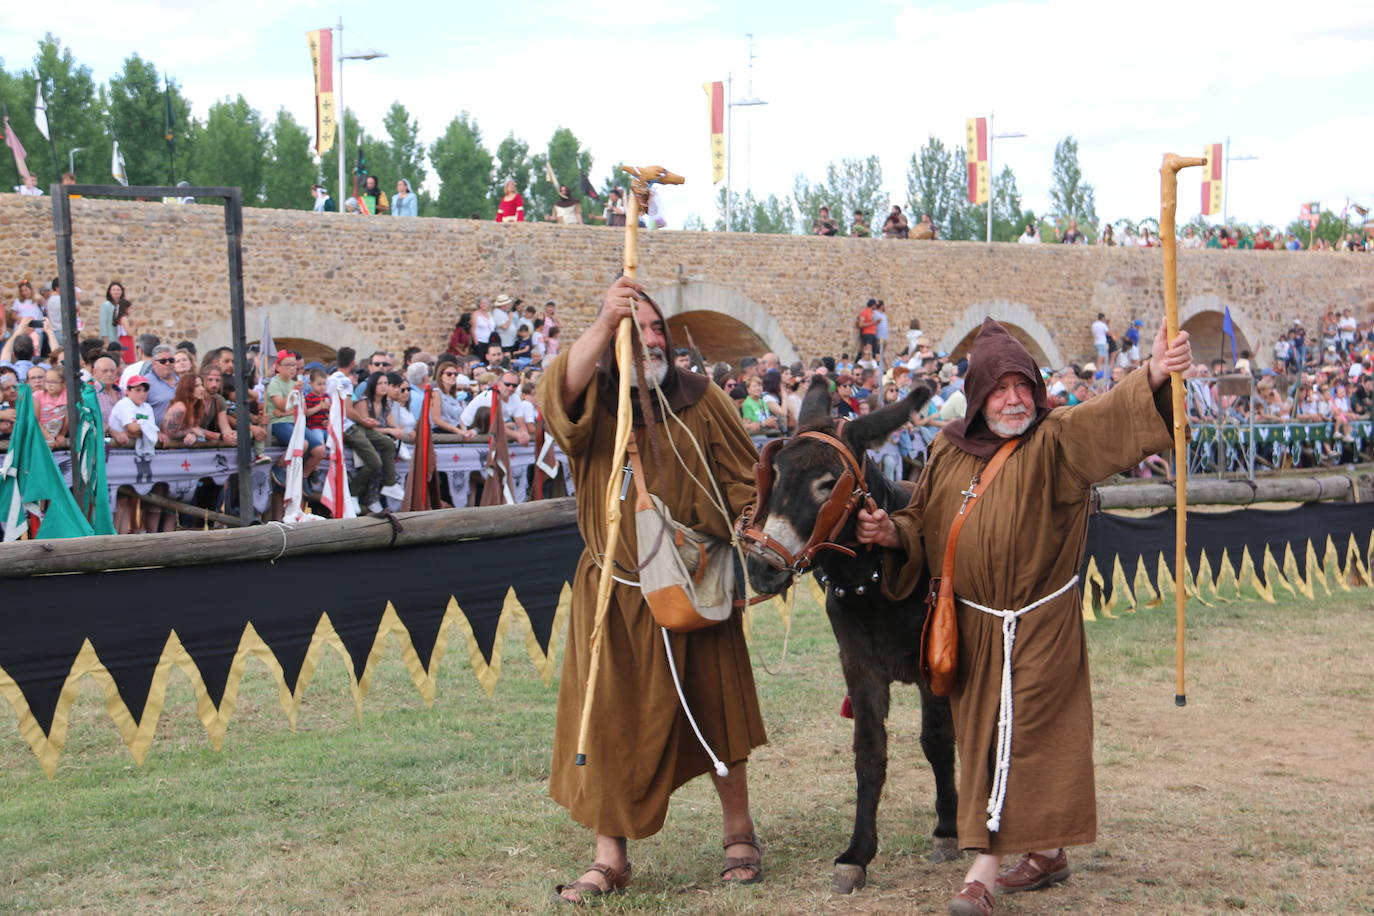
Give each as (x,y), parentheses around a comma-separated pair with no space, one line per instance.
(939,649)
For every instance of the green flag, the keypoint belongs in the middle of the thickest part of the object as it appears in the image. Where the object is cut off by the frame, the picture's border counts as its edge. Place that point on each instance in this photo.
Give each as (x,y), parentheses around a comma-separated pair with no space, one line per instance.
(88,460)
(30,476)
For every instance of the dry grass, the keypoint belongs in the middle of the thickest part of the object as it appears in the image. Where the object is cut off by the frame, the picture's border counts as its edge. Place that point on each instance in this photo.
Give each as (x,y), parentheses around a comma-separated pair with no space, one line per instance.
(1255,797)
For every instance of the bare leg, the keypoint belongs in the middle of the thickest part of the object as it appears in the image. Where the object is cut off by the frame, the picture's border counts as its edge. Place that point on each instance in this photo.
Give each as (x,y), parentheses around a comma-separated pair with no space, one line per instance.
(312,460)
(984,869)
(734,808)
(610,850)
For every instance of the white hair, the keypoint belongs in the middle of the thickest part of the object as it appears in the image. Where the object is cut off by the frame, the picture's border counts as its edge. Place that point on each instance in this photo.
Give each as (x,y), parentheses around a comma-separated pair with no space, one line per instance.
(417,373)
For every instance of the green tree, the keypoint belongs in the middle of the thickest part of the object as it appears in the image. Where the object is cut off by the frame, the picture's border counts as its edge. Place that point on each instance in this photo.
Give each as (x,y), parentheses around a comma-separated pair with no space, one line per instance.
(464,169)
(937,183)
(512,162)
(329,162)
(290,168)
(770,215)
(16,91)
(1008,219)
(76,113)
(138,115)
(1070,196)
(407,152)
(570,162)
(230,149)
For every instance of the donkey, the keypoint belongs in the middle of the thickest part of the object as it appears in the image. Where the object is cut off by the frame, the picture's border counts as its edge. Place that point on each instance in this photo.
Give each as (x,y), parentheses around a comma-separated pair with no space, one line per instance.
(804,511)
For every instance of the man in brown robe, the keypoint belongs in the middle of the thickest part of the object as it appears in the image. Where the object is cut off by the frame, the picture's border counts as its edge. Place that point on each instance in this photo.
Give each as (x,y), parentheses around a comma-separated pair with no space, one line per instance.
(1022,544)
(641,746)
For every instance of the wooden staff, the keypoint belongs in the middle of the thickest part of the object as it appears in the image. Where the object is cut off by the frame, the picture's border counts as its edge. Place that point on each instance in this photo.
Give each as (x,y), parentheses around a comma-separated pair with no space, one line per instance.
(1168,203)
(624,428)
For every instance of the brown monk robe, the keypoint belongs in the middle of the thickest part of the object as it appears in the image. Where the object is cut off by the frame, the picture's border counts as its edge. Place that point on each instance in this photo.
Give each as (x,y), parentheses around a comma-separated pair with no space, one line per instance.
(1023,541)
(641,746)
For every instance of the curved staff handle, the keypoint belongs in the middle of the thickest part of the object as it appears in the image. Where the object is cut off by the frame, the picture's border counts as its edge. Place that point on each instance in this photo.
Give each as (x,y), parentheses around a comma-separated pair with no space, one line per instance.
(624,428)
(1168,203)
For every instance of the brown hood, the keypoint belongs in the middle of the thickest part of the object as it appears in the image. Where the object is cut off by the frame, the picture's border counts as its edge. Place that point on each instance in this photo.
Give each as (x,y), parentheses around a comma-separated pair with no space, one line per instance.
(994,354)
(681,387)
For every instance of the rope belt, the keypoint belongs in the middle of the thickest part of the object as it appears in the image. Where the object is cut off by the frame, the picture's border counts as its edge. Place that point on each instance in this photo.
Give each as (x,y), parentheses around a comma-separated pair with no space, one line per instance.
(997,796)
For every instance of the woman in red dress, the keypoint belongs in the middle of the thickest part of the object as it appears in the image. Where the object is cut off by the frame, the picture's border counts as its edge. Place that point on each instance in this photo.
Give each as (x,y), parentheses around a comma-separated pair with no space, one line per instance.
(512,206)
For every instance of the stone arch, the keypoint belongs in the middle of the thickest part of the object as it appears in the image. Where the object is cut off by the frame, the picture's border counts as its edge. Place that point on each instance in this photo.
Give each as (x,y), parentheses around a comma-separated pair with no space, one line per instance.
(301,323)
(1202,315)
(724,324)
(1019,321)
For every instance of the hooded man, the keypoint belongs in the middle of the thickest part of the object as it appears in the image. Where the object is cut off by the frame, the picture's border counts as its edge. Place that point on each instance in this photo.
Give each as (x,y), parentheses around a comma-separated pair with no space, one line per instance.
(641,746)
(1017,600)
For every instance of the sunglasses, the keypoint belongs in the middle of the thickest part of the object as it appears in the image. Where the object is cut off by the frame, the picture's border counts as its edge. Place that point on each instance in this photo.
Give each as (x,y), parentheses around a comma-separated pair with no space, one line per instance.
(164,361)
(510,384)
(381,365)
(450,375)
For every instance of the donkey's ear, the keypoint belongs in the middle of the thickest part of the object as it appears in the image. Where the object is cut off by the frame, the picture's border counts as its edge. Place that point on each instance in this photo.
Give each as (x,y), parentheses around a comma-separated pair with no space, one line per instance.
(815,406)
(860,432)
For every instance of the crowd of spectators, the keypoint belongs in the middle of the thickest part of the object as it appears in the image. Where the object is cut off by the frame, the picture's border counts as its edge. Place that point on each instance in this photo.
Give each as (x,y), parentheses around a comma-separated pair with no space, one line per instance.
(155,394)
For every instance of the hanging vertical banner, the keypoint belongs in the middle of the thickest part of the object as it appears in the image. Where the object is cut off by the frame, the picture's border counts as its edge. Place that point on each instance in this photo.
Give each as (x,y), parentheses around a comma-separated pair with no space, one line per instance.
(1211,179)
(322,56)
(715,105)
(20,155)
(117,170)
(977,157)
(1311,214)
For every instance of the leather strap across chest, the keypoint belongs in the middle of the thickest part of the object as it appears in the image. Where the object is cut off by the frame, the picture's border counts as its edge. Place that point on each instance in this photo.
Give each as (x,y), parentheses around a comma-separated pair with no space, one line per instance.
(976,489)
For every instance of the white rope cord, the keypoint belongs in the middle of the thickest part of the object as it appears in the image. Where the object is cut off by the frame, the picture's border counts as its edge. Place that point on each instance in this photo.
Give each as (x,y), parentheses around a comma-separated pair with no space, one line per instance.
(283,528)
(997,795)
(721,770)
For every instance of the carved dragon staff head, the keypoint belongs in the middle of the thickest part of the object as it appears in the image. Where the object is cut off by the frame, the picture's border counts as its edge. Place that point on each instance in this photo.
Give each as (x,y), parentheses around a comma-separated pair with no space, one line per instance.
(641,178)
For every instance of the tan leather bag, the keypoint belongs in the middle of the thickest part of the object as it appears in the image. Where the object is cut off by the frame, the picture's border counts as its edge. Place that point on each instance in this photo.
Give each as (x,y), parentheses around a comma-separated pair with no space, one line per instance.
(939,649)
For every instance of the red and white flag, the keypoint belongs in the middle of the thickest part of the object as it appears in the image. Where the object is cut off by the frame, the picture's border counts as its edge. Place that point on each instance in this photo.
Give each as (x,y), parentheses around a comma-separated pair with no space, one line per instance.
(12,141)
(335,496)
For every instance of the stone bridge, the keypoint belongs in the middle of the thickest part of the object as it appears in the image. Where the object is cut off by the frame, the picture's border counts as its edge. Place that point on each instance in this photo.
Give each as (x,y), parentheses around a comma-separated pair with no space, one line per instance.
(329,280)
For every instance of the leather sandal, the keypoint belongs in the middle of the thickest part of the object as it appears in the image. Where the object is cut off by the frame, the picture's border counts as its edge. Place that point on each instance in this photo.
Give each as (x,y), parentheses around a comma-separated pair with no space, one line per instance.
(1033,872)
(754,865)
(616,881)
(973,899)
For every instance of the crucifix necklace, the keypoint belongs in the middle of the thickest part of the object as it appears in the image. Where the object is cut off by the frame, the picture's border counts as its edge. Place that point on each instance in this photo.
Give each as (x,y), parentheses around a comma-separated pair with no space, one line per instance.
(968,494)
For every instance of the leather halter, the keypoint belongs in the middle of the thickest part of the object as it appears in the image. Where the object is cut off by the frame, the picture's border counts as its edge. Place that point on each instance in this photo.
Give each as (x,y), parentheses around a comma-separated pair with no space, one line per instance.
(850,491)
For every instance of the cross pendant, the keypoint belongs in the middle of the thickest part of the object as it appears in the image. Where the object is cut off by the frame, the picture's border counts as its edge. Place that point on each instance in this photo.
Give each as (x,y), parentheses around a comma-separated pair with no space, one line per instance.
(967,495)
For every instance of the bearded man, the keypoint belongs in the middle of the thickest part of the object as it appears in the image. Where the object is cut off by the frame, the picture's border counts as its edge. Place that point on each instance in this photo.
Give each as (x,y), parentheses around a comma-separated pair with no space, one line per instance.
(1017,600)
(641,746)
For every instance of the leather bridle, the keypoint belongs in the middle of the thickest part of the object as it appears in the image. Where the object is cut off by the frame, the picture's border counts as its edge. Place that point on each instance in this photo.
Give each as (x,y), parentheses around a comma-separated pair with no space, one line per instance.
(849,493)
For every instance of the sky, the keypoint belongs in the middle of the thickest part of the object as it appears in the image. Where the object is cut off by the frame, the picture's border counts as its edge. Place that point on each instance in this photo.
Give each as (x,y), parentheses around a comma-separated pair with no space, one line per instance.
(1288,83)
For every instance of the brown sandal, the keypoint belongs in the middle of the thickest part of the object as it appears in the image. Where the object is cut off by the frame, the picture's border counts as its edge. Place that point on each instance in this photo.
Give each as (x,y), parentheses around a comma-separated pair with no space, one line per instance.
(586,891)
(755,865)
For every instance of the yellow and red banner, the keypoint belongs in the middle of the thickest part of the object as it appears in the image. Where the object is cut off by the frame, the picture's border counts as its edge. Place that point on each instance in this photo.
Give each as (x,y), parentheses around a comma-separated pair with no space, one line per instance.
(979,181)
(322,56)
(1211,179)
(715,103)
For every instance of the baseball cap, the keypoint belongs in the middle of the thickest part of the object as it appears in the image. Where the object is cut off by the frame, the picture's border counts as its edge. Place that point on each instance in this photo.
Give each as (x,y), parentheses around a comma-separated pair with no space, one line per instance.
(135,380)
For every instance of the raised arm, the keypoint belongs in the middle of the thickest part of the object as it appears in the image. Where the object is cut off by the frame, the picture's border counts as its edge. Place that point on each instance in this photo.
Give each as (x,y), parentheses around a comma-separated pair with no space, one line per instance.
(583,355)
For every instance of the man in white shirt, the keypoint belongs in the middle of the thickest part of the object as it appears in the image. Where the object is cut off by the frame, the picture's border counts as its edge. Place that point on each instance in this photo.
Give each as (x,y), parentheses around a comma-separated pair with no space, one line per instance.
(1347,327)
(1100,331)
(30,187)
(514,409)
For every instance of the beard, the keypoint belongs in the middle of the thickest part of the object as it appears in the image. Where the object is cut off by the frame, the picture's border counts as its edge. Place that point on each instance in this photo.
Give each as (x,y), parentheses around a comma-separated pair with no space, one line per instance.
(655,368)
(1012,422)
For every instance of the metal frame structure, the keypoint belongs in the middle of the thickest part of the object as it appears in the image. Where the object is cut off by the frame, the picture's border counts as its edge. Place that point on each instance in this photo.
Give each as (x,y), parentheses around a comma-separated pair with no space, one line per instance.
(66,272)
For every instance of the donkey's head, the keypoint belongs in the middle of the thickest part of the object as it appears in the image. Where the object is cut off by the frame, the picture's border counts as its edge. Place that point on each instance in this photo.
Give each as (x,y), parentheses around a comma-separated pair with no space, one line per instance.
(798,481)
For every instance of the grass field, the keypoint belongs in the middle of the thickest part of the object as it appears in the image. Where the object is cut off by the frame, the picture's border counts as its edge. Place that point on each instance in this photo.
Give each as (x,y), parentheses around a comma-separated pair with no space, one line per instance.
(1255,797)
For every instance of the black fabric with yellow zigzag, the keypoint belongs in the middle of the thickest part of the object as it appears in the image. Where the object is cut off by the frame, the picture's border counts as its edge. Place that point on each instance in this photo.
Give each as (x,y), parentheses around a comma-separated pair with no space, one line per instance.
(129,628)
(1130,561)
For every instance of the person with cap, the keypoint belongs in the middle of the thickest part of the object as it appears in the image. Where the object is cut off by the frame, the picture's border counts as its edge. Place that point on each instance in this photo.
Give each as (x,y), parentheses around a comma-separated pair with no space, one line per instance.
(1022,672)
(134,415)
(641,746)
(503,322)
